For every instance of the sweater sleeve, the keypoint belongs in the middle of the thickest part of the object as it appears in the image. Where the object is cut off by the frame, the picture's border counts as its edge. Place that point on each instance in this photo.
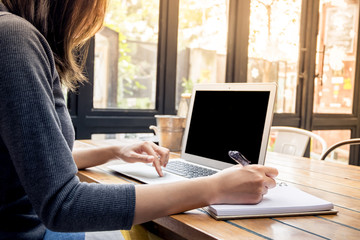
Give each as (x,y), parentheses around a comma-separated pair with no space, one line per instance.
(32,133)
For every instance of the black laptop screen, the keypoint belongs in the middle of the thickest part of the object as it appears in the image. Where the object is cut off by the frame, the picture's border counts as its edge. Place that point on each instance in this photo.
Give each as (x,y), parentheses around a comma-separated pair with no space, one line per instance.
(227,120)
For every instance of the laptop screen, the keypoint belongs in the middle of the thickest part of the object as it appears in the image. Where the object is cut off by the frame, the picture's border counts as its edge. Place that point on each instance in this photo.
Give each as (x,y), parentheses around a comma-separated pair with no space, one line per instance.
(227,120)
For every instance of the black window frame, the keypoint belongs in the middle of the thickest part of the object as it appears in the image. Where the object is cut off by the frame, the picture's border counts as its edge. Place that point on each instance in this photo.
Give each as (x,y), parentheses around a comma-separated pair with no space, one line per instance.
(88,120)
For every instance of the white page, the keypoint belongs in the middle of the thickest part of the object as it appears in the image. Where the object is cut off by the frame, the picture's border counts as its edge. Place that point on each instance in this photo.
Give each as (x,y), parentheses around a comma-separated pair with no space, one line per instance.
(281,199)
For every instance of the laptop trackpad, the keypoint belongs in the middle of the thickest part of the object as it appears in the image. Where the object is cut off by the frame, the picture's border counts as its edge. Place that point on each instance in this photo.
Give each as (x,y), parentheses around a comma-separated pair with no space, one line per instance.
(145,173)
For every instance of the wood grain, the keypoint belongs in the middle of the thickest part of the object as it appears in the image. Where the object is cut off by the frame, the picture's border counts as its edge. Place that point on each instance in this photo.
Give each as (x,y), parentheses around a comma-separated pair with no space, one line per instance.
(334,182)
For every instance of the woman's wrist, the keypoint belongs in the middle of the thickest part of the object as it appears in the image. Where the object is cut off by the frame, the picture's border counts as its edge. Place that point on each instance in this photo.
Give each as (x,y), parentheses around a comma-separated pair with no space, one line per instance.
(210,188)
(115,152)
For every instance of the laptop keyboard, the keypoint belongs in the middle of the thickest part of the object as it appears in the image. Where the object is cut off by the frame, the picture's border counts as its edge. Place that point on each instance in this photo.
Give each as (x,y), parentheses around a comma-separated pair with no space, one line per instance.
(188,170)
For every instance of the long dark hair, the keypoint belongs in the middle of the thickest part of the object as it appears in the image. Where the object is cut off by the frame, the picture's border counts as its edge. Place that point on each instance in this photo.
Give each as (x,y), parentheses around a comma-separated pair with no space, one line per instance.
(67,25)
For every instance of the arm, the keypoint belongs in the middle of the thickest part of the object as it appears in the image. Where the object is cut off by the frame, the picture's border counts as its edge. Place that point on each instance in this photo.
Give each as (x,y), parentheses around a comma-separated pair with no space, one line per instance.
(234,185)
(85,158)
(36,138)
(146,152)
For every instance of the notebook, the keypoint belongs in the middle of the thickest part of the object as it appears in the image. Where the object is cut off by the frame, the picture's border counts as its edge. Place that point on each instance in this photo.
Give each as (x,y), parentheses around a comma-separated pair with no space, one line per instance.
(283,200)
(221,117)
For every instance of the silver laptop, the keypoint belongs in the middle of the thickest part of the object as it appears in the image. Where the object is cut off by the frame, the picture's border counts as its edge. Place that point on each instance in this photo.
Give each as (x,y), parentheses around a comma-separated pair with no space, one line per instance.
(222,117)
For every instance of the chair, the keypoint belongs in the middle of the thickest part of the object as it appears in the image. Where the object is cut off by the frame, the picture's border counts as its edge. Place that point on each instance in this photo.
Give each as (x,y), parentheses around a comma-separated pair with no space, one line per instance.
(351,141)
(294,141)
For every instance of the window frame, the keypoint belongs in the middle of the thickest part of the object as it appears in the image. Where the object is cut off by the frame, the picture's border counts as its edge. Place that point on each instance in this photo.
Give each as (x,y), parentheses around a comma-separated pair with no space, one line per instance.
(88,121)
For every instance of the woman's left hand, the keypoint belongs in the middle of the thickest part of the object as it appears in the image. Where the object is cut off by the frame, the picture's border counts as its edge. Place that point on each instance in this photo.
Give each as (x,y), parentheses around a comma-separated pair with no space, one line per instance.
(146,152)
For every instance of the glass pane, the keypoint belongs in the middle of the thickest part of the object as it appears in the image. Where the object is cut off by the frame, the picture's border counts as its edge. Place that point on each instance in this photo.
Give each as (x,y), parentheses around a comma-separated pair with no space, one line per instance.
(125,56)
(341,154)
(336,56)
(274,47)
(202,43)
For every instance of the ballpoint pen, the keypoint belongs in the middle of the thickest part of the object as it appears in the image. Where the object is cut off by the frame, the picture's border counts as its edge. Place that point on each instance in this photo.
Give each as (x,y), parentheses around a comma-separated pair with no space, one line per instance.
(239,158)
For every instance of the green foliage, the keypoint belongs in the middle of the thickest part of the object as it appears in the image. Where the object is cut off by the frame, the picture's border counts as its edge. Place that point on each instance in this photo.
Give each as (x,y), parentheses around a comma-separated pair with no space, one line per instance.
(187,84)
(131,19)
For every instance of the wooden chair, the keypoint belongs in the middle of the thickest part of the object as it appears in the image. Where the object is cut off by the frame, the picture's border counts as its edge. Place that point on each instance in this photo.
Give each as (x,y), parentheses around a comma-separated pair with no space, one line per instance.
(294,141)
(351,141)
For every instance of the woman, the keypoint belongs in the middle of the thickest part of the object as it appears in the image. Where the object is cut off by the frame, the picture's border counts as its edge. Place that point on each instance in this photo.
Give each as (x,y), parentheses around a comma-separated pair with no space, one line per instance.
(39,190)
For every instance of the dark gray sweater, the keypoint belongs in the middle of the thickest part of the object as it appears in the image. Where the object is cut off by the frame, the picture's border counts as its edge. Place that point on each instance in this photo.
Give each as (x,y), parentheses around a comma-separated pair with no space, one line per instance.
(38,183)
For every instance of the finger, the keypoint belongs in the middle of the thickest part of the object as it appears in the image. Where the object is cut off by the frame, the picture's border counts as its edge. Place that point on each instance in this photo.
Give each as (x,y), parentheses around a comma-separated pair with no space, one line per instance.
(164,154)
(156,164)
(145,158)
(270,183)
(271,172)
(148,148)
(158,152)
(265,191)
(240,166)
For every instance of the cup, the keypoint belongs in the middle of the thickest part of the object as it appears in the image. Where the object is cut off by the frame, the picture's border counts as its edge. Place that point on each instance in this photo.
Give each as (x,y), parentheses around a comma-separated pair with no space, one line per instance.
(170,131)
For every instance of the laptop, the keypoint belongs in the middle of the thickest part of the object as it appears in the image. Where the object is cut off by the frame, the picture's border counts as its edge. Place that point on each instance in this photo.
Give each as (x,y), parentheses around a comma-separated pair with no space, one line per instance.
(222,117)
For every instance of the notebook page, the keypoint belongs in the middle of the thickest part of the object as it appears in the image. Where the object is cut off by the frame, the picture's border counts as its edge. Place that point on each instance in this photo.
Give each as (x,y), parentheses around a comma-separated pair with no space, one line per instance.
(281,199)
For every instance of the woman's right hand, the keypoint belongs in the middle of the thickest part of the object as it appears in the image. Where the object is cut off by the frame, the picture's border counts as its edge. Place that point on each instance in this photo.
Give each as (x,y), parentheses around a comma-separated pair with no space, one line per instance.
(242,185)
(234,185)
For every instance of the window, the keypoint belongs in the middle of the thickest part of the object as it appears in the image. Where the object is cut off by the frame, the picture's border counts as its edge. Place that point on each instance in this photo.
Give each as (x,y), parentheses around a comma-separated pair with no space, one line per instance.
(336,57)
(202,43)
(125,56)
(274,47)
(336,85)
(151,52)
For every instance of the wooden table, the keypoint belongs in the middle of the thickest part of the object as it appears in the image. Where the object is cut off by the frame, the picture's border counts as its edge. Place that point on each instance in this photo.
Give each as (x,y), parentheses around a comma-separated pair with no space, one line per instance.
(337,183)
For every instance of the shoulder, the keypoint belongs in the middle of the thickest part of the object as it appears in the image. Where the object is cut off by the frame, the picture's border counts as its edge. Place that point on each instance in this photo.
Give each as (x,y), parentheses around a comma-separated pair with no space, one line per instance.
(19,39)
(16,30)
(12,26)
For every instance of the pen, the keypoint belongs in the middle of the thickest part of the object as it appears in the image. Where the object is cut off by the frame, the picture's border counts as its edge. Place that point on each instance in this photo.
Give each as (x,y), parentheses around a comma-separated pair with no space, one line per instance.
(239,158)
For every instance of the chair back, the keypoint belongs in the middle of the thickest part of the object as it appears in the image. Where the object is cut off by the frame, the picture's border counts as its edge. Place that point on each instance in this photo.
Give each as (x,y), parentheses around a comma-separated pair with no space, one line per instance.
(352,141)
(294,141)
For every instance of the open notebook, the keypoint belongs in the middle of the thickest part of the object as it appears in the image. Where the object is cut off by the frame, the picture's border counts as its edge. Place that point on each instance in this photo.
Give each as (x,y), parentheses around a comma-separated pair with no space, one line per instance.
(280,201)
(222,117)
